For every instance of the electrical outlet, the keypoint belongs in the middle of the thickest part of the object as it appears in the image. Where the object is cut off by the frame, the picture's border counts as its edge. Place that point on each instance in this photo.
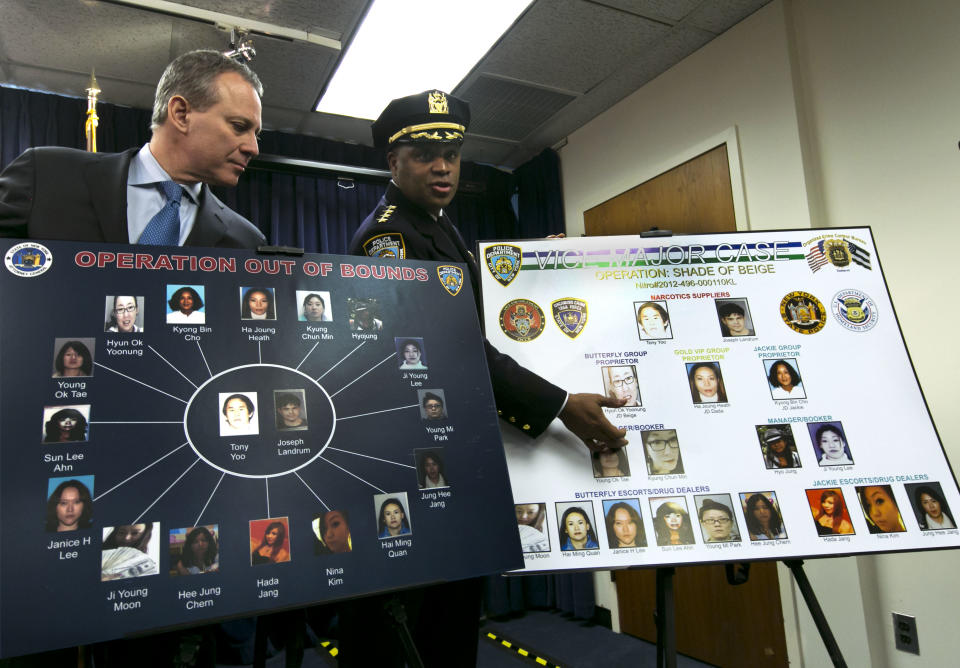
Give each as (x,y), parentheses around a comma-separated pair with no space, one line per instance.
(905,633)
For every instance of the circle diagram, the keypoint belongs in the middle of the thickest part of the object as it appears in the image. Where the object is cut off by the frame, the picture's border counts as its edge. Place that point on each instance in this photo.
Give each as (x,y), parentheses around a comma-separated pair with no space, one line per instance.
(259,420)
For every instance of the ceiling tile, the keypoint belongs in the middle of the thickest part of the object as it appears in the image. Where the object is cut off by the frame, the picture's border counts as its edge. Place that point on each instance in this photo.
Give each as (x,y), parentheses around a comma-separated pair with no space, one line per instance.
(329,16)
(76,36)
(720,15)
(568,45)
(509,109)
(667,10)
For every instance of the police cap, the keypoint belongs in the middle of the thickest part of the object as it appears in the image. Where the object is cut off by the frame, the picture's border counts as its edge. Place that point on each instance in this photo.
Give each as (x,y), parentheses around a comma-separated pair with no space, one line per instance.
(428,117)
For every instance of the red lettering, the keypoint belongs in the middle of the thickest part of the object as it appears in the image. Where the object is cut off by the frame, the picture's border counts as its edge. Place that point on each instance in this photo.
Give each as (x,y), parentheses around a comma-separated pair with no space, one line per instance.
(84,259)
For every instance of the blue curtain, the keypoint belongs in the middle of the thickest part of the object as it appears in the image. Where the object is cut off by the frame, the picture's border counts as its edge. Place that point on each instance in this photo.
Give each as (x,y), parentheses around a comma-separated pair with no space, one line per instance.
(317,212)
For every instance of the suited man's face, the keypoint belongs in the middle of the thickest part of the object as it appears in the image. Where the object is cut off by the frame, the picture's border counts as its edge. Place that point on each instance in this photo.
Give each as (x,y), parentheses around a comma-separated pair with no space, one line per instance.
(221,140)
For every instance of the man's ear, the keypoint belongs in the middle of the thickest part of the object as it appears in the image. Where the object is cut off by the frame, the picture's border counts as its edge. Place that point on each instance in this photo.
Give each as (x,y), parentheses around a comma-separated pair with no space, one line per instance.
(177,111)
(392,162)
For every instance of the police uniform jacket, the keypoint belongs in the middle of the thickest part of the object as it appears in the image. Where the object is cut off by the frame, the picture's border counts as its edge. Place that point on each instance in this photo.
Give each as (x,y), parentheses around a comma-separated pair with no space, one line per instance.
(523,398)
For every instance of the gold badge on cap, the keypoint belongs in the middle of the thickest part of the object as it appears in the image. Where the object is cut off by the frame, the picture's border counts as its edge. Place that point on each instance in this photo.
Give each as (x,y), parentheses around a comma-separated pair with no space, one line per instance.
(437,102)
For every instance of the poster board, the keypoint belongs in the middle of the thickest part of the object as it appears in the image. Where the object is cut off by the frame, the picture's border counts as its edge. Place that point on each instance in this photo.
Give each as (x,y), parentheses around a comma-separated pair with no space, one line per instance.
(239,425)
(773,411)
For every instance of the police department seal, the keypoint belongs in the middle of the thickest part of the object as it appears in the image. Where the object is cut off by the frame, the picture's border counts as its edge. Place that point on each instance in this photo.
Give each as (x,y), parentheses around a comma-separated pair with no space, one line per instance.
(854,310)
(570,314)
(803,313)
(521,320)
(503,262)
(28,259)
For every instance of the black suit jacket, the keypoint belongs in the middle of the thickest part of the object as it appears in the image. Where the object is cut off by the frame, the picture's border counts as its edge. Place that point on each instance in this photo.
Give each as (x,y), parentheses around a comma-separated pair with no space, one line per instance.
(72,195)
(523,398)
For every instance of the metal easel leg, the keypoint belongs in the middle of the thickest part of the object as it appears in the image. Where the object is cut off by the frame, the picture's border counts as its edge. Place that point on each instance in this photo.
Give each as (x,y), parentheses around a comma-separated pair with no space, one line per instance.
(833,649)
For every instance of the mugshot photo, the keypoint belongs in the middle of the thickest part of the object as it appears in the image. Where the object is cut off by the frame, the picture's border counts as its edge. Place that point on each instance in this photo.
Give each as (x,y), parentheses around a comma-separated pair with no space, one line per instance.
(195,550)
(331,532)
(123,314)
(291,409)
(777,446)
(653,320)
(73,358)
(315,306)
(410,353)
(532,525)
(430,469)
(69,503)
(661,450)
(393,516)
(364,315)
(761,512)
(783,378)
(610,463)
(433,404)
(185,305)
(829,510)
(269,541)
(706,383)
(66,424)
(258,304)
(238,414)
(830,443)
(576,526)
(624,524)
(880,509)
(930,506)
(130,551)
(621,383)
(718,522)
(671,521)
(734,317)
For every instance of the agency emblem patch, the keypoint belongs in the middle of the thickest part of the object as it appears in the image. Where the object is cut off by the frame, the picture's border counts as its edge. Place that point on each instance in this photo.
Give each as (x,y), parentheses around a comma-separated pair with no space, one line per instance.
(451,278)
(854,310)
(503,261)
(841,253)
(570,315)
(521,320)
(386,245)
(28,259)
(803,313)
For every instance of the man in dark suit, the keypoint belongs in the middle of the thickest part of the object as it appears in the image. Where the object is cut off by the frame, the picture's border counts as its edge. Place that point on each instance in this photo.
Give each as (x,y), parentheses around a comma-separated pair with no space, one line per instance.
(206,119)
(422,135)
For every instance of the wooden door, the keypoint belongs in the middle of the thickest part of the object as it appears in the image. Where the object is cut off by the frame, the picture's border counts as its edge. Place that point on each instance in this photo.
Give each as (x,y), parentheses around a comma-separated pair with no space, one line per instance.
(715,622)
(692,198)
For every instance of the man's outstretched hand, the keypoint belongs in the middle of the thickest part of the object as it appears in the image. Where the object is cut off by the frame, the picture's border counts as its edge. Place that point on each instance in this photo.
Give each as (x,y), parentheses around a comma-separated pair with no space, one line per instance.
(583,415)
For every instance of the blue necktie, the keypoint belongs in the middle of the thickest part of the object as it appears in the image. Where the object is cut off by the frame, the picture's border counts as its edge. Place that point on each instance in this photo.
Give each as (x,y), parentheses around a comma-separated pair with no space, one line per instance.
(164,228)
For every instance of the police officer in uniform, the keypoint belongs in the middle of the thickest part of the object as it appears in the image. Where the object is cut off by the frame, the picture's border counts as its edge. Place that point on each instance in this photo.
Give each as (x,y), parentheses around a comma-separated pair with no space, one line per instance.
(422,135)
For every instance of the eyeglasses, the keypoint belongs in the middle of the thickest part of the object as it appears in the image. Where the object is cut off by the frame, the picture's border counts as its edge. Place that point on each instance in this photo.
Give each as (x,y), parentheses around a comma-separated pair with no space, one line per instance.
(623,382)
(659,445)
(716,520)
(125,310)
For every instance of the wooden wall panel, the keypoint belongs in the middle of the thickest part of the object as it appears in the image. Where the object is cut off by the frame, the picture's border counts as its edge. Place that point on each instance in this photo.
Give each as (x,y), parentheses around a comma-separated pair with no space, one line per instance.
(692,198)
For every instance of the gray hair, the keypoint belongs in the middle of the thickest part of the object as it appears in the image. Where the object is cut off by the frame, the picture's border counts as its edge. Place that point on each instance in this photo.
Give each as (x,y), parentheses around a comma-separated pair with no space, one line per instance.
(192,76)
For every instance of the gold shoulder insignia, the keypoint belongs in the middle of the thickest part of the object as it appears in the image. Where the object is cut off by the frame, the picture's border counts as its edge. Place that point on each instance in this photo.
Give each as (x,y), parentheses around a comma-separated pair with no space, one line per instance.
(385,216)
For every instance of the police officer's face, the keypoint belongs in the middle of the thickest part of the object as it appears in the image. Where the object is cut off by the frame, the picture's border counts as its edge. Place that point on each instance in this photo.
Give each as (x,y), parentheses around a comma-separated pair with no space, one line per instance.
(426,174)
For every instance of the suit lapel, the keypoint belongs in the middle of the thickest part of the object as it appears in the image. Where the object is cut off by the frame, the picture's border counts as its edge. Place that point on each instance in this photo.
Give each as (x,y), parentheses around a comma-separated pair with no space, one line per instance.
(107,183)
(208,228)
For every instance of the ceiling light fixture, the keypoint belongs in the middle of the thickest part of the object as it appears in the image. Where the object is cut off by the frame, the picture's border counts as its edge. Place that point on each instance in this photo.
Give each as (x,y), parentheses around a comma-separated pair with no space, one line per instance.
(402,48)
